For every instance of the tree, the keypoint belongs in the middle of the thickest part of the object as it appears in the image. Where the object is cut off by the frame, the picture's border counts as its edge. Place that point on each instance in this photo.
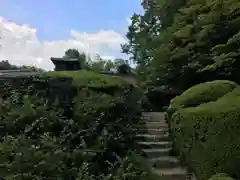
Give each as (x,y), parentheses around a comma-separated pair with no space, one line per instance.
(74,53)
(182,43)
(119,62)
(201,46)
(98,65)
(124,69)
(146,34)
(5,65)
(109,65)
(101,65)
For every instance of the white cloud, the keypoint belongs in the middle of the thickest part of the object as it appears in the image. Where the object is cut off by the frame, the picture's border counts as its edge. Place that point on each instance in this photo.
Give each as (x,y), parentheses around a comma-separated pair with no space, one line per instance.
(20,45)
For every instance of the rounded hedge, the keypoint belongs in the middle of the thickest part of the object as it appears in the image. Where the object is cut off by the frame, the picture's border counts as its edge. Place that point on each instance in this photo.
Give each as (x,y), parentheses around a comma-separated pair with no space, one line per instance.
(221,176)
(208,136)
(202,93)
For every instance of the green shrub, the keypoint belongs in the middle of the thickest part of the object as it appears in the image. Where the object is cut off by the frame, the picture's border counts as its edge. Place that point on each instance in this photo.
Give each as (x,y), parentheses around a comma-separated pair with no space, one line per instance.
(65,126)
(203,93)
(160,96)
(208,136)
(220,177)
(90,79)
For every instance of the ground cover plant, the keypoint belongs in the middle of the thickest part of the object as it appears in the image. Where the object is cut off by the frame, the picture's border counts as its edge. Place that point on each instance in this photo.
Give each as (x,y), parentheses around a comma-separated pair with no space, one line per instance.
(69,125)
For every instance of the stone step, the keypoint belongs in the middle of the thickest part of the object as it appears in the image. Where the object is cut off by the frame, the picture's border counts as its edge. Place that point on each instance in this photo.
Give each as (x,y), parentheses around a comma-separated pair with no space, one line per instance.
(154,116)
(152,137)
(164,162)
(171,173)
(152,131)
(150,119)
(153,153)
(155,145)
(152,125)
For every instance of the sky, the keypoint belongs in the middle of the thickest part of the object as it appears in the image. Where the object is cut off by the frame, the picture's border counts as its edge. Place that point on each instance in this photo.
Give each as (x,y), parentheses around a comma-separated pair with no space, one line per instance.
(33,31)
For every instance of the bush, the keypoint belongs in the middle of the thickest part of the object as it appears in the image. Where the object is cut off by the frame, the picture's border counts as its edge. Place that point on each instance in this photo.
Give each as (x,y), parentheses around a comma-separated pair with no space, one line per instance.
(203,93)
(160,96)
(67,125)
(208,136)
(220,177)
(124,69)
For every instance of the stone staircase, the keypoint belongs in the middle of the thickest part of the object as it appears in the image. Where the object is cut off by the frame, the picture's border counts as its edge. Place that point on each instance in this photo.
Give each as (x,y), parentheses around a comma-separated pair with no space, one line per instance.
(154,139)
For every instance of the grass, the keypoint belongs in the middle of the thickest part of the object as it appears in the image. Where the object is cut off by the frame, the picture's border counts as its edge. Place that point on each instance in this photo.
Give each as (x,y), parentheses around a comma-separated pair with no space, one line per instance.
(85,78)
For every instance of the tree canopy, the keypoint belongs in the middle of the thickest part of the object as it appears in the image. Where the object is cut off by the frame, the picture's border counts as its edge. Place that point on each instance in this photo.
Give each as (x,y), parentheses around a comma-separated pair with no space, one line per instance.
(74,53)
(182,43)
(98,64)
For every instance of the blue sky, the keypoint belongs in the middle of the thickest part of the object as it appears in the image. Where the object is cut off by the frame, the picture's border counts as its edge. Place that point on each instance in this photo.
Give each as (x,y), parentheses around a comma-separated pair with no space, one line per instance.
(54,18)
(38,30)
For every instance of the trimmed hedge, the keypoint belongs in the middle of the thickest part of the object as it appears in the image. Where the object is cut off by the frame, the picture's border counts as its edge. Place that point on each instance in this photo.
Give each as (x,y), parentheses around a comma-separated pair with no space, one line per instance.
(221,177)
(208,136)
(203,93)
(68,125)
(90,79)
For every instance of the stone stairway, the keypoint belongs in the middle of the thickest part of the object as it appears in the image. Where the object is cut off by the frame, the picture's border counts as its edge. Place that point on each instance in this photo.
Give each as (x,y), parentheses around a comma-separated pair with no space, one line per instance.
(154,140)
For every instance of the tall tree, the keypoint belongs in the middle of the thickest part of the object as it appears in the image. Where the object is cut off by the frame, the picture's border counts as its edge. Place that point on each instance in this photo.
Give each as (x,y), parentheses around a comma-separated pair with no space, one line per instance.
(146,34)
(119,61)
(97,65)
(202,41)
(74,53)
(185,42)
(109,65)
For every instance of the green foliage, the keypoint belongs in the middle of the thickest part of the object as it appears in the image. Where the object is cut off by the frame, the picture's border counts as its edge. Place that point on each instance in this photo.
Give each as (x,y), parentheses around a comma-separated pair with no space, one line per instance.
(203,93)
(81,57)
(99,64)
(62,126)
(220,177)
(207,136)
(5,65)
(124,69)
(102,65)
(90,79)
(161,96)
(183,43)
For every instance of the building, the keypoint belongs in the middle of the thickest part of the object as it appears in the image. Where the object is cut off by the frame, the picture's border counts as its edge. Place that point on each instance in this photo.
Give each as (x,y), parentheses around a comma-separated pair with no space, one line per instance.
(65,64)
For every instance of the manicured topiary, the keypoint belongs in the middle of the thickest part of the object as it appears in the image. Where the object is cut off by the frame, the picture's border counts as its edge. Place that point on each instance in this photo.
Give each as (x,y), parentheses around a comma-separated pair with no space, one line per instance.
(208,136)
(202,93)
(221,176)
(90,79)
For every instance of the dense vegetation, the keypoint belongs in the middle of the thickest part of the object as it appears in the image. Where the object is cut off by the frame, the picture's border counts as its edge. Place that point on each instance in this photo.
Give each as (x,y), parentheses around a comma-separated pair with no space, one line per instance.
(203,93)
(178,45)
(69,125)
(220,177)
(204,124)
(185,42)
(72,125)
(98,64)
(5,65)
